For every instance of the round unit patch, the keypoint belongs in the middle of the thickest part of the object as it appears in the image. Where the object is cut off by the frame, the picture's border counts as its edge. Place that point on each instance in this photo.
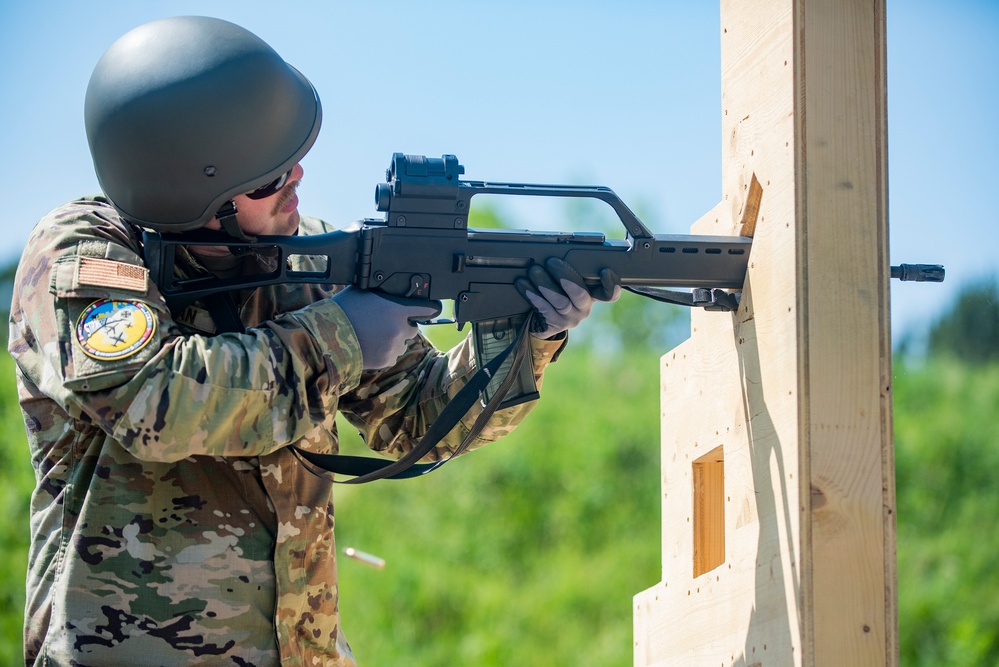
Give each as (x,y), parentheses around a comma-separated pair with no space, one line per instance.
(110,330)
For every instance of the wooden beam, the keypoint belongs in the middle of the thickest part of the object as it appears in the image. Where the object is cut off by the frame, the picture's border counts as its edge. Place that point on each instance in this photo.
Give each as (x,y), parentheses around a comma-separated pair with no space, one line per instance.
(794,389)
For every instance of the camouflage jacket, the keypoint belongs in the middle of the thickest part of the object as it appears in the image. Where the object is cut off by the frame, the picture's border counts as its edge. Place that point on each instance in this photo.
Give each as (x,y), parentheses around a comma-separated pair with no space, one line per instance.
(171,524)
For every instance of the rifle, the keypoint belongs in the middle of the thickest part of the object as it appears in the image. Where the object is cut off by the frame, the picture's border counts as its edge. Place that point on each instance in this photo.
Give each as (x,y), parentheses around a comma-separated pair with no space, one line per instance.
(424,249)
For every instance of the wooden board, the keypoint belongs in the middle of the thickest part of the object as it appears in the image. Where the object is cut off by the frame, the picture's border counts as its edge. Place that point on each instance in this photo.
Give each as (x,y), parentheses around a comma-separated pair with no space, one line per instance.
(794,389)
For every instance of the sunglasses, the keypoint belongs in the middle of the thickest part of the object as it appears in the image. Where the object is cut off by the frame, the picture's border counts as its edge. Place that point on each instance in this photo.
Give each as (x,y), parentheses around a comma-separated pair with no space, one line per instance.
(271,188)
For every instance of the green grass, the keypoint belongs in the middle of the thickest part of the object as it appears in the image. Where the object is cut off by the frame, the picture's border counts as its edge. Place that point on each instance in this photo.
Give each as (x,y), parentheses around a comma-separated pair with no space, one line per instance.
(529,551)
(16,482)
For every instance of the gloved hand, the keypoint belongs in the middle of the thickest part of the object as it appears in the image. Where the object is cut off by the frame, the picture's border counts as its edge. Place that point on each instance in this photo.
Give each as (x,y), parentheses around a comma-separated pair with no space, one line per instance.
(561,297)
(383,326)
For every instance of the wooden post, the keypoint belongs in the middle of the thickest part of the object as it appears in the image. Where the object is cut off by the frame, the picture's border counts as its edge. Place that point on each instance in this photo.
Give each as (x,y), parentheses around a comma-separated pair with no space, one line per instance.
(778,480)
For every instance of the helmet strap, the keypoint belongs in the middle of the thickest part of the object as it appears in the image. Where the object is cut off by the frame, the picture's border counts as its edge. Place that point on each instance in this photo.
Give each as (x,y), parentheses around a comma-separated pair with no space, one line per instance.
(227,218)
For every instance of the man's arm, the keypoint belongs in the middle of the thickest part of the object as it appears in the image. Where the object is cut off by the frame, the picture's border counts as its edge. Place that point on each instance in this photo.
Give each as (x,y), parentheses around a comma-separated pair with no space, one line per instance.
(393,408)
(174,395)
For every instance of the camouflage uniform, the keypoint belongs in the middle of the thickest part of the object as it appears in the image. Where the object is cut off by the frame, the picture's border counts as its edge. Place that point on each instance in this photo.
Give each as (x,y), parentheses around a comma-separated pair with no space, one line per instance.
(171,524)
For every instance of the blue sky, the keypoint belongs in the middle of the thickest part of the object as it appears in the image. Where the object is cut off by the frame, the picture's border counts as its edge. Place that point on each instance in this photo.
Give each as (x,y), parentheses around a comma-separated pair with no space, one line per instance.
(624,94)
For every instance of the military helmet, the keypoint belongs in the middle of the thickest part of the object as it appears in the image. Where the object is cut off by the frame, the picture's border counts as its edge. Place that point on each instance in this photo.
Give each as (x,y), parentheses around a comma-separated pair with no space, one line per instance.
(184,113)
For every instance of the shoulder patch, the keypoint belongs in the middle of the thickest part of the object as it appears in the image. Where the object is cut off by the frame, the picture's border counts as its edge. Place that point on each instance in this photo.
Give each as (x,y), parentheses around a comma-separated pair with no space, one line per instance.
(111,330)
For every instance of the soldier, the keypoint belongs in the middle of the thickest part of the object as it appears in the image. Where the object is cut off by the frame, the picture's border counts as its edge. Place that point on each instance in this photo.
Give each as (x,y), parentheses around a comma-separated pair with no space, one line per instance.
(172,522)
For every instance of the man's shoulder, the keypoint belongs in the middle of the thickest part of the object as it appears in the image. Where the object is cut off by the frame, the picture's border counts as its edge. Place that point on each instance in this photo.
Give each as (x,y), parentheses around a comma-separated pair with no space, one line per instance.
(83,217)
(310,226)
(87,220)
(93,205)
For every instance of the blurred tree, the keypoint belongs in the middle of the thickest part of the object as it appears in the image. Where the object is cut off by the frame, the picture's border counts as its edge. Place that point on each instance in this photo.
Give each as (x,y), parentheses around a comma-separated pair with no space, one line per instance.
(485,216)
(970,329)
(6,293)
(947,461)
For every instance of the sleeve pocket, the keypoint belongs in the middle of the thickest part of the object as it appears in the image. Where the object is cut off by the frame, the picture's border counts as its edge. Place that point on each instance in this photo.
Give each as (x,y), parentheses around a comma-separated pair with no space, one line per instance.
(106,332)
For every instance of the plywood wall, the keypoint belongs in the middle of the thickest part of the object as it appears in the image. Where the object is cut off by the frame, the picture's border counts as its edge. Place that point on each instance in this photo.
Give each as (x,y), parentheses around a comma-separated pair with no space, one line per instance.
(778,493)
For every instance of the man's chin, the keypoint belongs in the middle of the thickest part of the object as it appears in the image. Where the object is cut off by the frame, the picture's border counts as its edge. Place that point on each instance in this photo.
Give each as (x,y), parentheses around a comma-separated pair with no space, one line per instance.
(288,224)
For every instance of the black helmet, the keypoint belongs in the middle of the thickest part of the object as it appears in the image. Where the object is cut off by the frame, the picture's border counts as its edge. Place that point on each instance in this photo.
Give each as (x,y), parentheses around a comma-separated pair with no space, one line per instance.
(184,113)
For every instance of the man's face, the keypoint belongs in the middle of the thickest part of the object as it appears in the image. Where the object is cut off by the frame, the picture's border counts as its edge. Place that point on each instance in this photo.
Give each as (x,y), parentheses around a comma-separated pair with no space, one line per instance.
(274,215)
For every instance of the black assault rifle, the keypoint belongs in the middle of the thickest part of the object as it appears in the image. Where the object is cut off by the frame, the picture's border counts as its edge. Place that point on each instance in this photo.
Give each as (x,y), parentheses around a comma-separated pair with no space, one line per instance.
(424,249)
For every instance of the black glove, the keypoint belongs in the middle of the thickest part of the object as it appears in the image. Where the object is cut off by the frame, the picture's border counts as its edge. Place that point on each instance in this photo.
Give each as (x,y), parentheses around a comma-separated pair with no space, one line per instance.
(383,326)
(561,297)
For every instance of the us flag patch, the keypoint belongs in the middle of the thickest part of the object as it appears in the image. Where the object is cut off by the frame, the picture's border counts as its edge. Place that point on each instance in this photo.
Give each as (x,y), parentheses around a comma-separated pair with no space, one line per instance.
(108,273)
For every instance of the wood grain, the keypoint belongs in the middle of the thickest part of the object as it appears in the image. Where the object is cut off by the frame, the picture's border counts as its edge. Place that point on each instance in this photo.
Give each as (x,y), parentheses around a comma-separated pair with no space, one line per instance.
(793,388)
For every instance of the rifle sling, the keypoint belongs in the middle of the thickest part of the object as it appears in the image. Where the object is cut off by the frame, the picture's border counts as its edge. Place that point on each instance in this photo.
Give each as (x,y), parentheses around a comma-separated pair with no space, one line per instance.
(700,297)
(367,469)
(225,312)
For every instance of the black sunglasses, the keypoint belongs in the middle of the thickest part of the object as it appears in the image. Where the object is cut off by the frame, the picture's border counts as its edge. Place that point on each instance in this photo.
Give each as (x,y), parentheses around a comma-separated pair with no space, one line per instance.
(271,188)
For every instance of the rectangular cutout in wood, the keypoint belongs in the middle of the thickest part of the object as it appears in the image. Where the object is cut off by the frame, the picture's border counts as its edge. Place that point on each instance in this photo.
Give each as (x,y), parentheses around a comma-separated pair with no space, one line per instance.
(709,511)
